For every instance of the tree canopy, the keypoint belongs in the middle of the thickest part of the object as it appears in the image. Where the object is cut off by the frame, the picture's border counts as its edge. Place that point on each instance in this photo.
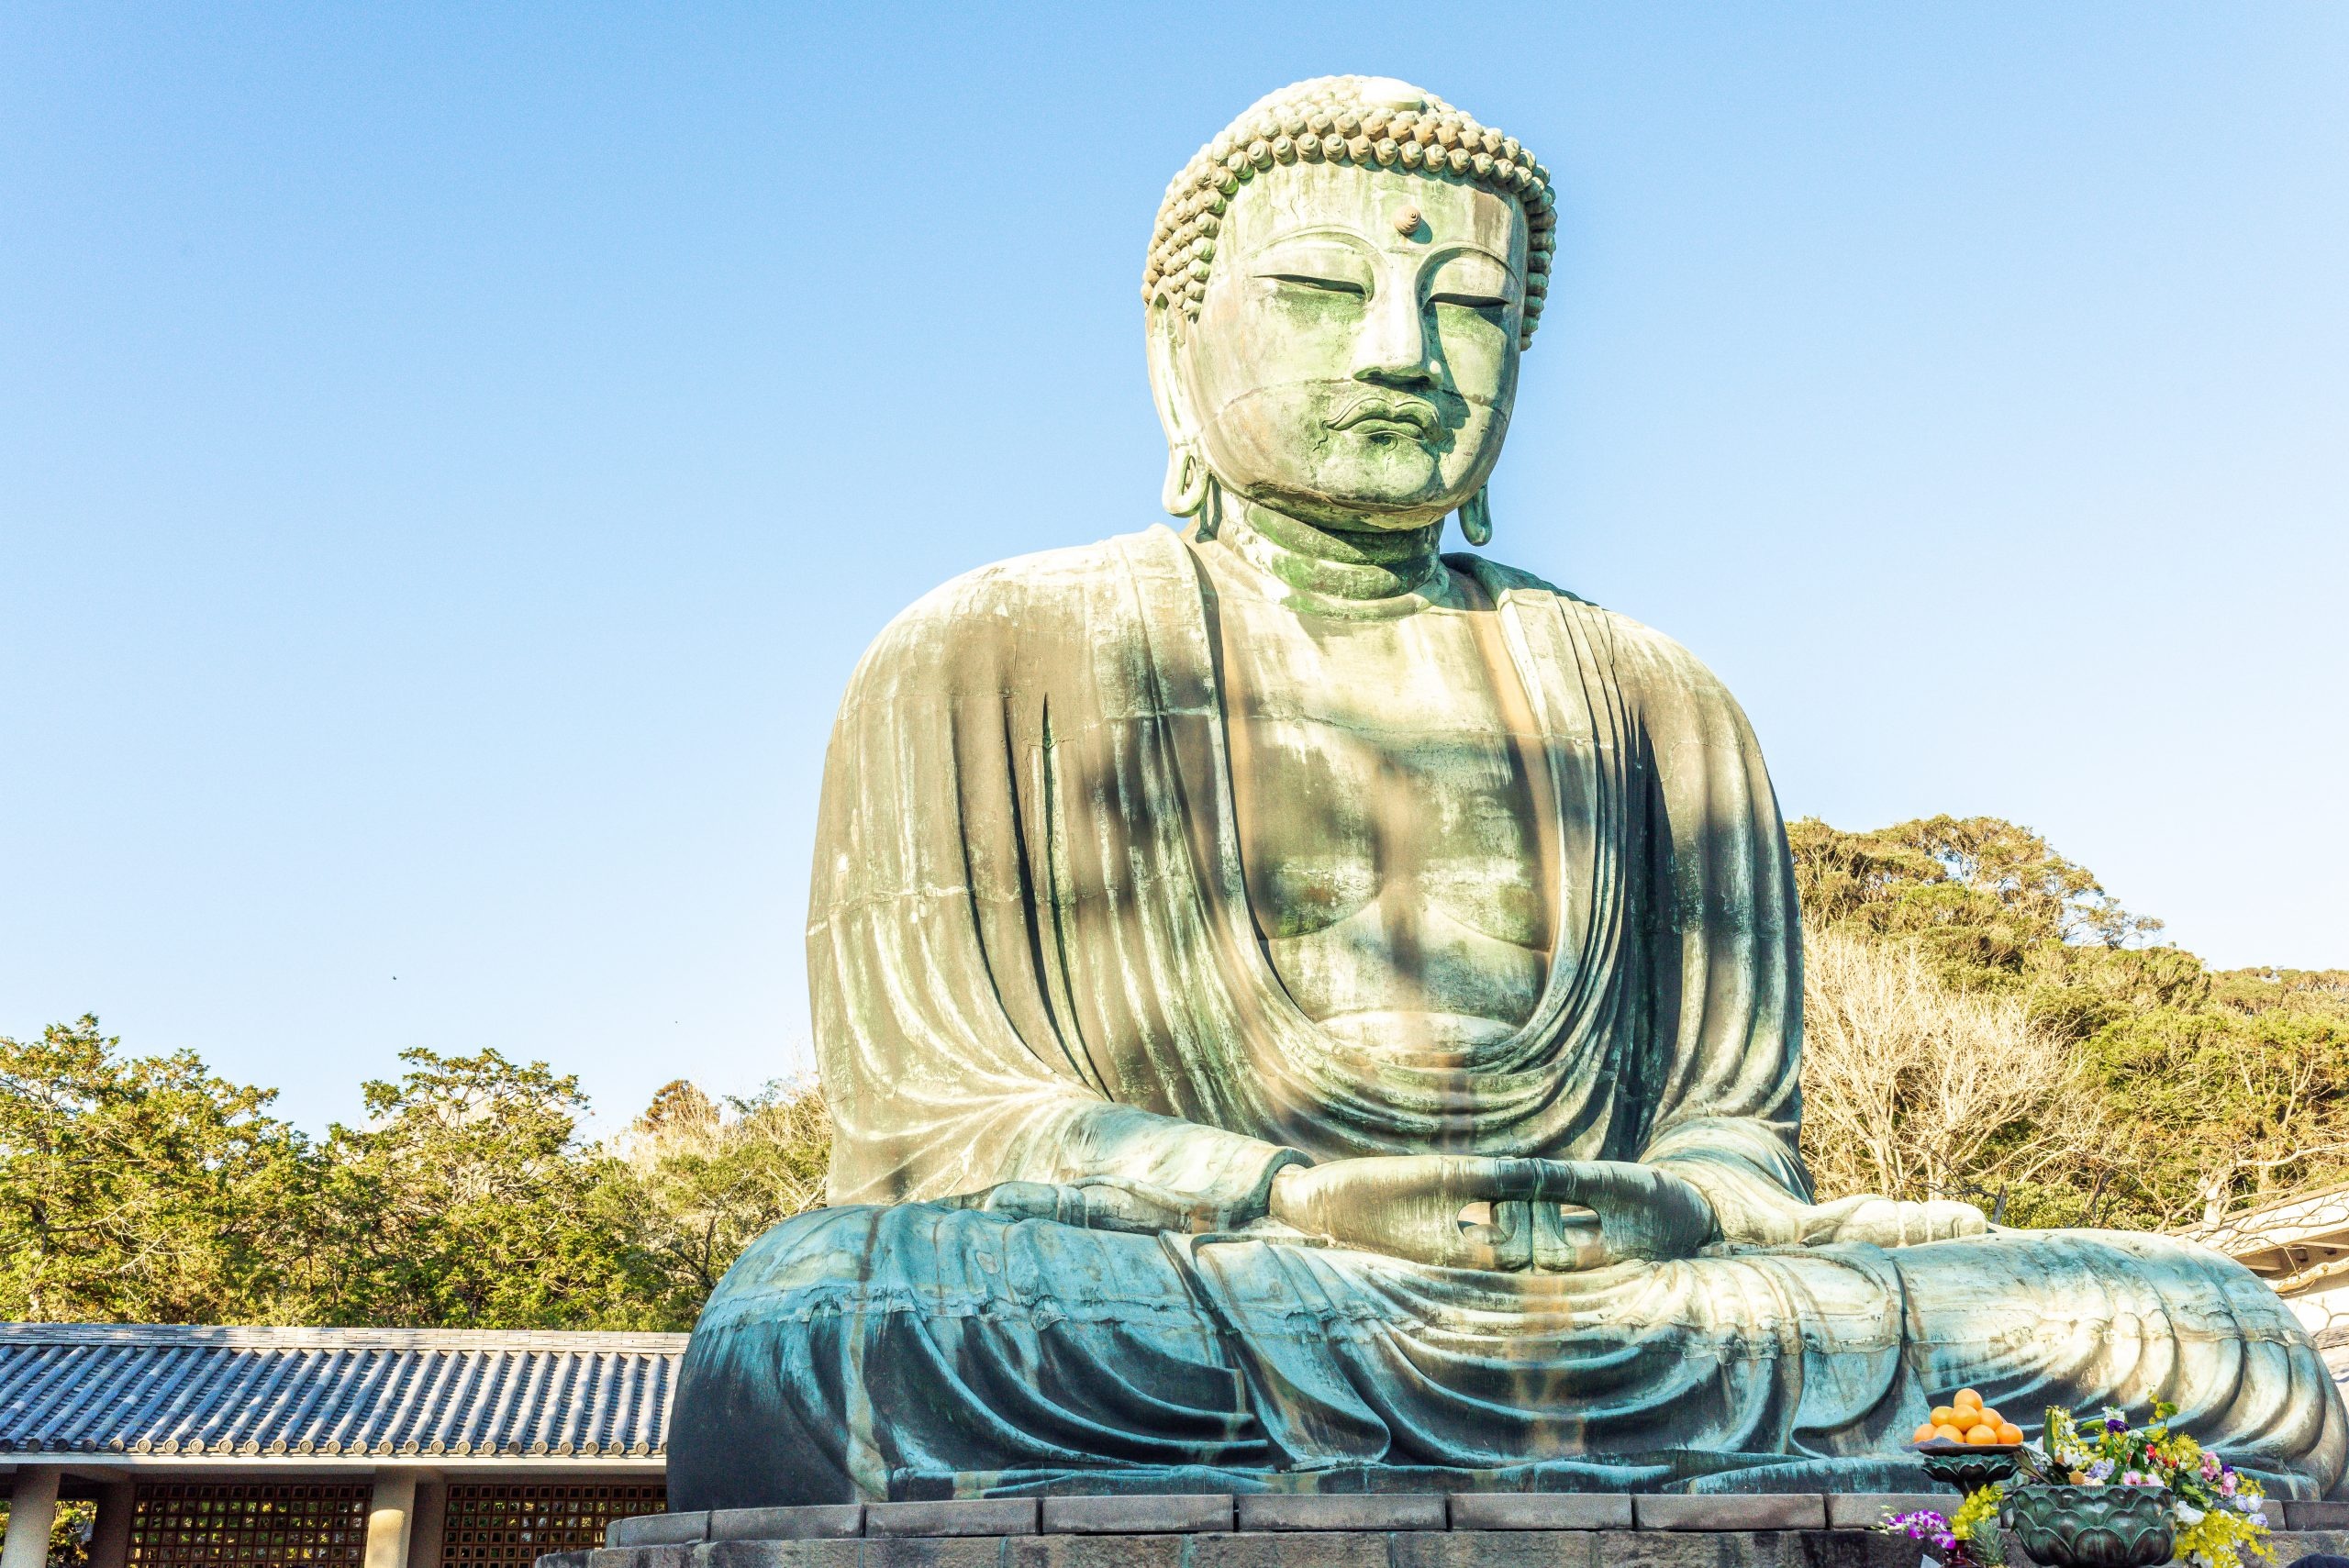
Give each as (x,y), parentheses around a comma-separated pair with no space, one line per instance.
(147,1189)
(2209,1089)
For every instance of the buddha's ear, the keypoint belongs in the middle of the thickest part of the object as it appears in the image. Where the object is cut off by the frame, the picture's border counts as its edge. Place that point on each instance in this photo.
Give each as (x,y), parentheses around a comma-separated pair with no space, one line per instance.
(1169,387)
(1189,490)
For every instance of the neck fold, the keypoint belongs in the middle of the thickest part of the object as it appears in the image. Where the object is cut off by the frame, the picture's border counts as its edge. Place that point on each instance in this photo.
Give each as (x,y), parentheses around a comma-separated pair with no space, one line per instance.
(1369,567)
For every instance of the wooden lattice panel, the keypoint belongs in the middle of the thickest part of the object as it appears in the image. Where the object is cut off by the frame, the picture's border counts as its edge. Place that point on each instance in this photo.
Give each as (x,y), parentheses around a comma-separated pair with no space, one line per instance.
(510,1523)
(208,1524)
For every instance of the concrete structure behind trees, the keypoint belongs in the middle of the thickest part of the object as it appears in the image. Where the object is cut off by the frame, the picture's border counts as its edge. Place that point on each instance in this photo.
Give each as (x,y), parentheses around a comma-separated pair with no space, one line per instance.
(340,1448)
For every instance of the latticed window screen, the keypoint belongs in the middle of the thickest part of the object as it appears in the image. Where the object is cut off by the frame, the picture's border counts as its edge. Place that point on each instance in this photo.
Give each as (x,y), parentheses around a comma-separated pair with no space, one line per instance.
(514,1523)
(199,1524)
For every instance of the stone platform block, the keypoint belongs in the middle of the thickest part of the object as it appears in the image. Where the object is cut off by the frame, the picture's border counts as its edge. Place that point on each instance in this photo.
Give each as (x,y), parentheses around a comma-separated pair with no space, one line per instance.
(675,1556)
(1732,1511)
(819,1521)
(952,1516)
(840,1551)
(1540,1510)
(1493,1549)
(1753,1549)
(1292,1549)
(1341,1511)
(947,1552)
(657,1530)
(1166,1514)
(2316,1516)
(2290,1544)
(1104,1550)
(1866,1510)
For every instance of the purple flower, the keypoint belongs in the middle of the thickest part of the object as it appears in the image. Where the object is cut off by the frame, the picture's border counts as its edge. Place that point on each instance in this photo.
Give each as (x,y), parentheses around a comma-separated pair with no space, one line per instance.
(2115,1424)
(1924,1525)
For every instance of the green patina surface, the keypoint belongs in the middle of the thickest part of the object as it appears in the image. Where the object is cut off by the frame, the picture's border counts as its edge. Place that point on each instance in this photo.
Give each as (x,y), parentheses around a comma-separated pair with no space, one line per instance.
(1306,1011)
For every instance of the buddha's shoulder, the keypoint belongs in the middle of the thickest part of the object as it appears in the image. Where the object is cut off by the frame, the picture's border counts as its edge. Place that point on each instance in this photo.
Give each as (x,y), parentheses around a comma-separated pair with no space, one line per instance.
(1075,587)
(1636,651)
(1039,580)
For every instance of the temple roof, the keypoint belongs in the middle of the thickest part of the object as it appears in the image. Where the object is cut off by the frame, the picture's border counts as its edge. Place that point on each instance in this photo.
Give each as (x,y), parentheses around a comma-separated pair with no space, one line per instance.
(430,1393)
(2293,1245)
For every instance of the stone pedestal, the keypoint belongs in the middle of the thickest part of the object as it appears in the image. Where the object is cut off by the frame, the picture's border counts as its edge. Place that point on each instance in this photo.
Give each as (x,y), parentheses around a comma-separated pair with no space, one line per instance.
(1276,1530)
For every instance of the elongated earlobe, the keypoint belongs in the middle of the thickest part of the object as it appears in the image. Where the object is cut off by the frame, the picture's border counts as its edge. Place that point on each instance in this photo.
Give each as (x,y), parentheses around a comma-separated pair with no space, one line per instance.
(1477,519)
(1185,490)
(1191,491)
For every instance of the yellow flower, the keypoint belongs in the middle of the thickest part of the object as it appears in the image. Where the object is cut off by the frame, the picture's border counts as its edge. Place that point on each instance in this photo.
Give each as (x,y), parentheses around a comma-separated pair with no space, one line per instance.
(1978,1505)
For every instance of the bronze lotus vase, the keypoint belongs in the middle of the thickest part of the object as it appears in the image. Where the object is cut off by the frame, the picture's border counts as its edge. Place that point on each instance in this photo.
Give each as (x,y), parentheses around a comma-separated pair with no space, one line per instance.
(2092,1527)
(1969,1467)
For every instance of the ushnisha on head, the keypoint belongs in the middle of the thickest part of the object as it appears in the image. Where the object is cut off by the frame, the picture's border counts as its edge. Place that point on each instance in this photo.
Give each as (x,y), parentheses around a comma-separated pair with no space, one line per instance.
(1338,288)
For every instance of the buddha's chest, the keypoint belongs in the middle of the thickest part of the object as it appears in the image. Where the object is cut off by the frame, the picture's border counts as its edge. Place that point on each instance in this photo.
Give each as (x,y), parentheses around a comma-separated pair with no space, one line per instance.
(1389,821)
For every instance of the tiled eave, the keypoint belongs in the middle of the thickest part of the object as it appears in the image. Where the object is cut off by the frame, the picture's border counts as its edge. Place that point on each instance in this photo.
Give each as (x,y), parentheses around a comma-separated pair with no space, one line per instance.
(146,1395)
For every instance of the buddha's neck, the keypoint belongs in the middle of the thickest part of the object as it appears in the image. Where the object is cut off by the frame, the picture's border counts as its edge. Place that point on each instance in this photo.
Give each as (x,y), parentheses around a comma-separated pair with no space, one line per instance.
(1379,572)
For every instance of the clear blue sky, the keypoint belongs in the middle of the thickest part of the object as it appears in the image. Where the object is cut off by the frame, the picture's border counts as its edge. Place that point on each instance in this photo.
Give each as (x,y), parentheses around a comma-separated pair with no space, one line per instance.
(451,456)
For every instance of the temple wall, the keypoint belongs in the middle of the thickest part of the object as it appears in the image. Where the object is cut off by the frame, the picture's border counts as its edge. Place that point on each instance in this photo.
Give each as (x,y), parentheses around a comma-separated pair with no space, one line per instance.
(2323,1309)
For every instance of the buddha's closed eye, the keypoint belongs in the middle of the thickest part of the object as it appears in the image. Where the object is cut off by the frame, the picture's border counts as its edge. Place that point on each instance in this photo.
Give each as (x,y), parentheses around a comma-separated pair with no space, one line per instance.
(1473,283)
(1314,281)
(1483,304)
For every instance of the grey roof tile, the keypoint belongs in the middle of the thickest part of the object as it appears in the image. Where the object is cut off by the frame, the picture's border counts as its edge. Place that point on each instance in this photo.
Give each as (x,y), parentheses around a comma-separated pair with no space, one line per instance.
(176,1389)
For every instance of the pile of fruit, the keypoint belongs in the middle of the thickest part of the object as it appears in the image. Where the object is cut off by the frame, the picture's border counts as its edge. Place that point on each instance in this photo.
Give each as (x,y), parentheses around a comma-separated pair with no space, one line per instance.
(1965,1420)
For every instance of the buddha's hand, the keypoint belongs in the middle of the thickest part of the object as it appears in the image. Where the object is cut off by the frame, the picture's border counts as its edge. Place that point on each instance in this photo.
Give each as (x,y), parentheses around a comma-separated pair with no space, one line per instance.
(1888,1222)
(1637,1211)
(1470,1212)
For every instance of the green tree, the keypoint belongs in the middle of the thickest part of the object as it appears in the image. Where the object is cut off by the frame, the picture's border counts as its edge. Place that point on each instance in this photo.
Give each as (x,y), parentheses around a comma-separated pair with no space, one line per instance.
(142,1189)
(465,1199)
(149,1189)
(1982,893)
(707,1183)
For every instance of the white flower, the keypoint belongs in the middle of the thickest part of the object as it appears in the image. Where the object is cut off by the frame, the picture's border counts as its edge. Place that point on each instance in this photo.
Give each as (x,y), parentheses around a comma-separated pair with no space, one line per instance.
(2187,1514)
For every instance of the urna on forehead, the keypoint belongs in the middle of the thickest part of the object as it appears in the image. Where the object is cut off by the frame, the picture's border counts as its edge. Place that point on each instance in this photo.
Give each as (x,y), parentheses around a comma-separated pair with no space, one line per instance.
(1372,122)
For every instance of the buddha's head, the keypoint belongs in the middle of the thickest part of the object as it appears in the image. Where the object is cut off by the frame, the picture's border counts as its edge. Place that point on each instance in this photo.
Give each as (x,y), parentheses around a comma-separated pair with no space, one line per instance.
(1338,288)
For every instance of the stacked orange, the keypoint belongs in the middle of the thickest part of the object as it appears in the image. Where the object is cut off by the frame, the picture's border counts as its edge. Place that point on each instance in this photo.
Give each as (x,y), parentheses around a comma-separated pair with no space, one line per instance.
(1965,1420)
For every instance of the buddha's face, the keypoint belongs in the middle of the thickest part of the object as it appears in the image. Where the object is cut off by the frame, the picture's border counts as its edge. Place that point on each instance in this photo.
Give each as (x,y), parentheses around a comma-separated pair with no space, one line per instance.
(1349,365)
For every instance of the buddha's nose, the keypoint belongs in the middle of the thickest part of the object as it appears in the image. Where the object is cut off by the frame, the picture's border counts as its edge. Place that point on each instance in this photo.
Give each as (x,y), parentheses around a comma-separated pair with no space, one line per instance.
(1394,348)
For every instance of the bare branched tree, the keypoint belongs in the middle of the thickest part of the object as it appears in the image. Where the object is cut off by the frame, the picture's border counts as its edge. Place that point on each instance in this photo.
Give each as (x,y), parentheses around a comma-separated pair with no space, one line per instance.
(1912,1089)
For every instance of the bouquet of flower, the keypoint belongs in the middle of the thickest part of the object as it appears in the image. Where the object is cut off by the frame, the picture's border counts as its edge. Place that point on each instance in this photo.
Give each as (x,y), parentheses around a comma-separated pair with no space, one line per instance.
(1961,1538)
(2221,1512)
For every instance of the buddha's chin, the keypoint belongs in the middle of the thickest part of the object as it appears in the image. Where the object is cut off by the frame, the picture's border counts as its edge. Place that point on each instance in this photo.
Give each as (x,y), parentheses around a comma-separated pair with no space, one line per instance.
(1381,480)
(1355,503)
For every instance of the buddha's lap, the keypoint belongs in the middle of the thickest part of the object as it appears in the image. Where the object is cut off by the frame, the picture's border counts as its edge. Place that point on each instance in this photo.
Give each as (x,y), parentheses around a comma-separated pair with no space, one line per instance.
(2025,1302)
(964,1341)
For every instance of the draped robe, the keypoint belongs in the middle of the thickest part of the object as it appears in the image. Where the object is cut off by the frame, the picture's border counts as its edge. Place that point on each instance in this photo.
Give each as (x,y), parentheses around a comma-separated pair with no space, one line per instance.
(1063,1074)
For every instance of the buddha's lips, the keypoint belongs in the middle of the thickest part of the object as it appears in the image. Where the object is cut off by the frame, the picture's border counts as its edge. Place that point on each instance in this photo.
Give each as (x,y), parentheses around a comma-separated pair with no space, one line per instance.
(1420,416)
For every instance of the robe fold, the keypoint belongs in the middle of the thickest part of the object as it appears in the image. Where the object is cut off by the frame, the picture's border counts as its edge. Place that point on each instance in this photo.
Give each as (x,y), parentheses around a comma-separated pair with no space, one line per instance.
(1043,1014)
